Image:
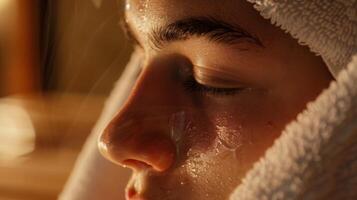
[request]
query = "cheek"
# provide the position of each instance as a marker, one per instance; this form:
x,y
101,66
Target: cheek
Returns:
x,y
229,130
222,138
199,133
246,124
229,122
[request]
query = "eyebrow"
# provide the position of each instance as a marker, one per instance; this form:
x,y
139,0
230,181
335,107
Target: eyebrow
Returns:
x,y
211,28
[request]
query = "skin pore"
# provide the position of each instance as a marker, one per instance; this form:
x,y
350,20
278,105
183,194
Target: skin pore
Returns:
x,y
218,85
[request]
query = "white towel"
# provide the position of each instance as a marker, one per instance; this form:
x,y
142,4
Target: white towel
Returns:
x,y
94,177
316,155
328,27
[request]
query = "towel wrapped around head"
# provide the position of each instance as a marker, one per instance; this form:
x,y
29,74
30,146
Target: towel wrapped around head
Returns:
x,y
315,157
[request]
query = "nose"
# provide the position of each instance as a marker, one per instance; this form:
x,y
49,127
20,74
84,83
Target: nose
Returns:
x,y
138,136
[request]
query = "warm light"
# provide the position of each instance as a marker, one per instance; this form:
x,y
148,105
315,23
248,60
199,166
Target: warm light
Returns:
x,y
17,134
6,10
4,3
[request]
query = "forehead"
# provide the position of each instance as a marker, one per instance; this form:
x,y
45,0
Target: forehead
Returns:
x,y
160,12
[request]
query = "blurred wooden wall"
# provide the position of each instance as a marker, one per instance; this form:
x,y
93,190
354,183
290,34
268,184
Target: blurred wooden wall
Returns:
x,y
70,52
91,50
71,46
21,71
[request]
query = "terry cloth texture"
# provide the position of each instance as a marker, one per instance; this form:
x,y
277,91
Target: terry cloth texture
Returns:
x,y
328,27
316,156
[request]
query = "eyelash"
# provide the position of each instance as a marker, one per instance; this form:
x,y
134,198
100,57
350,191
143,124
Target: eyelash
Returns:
x,y
192,85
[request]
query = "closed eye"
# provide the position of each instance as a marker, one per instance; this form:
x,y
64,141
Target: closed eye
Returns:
x,y
191,85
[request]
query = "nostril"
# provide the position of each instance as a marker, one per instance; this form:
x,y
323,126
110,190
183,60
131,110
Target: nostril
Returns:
x,y
136,164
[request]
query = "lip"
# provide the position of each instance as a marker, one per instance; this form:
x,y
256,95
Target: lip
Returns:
x,y
131,194
135,197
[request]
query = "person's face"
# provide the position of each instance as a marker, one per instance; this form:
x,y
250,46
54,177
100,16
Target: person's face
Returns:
x,y
218,84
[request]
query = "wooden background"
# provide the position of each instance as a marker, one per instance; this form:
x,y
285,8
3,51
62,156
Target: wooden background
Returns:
x,y
58,62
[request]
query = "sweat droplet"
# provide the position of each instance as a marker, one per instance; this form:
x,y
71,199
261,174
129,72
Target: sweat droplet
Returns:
x,y
229,138
229,135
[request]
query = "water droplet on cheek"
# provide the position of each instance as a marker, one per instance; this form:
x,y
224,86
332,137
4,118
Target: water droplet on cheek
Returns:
x,y
198,164
229,139
229,134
